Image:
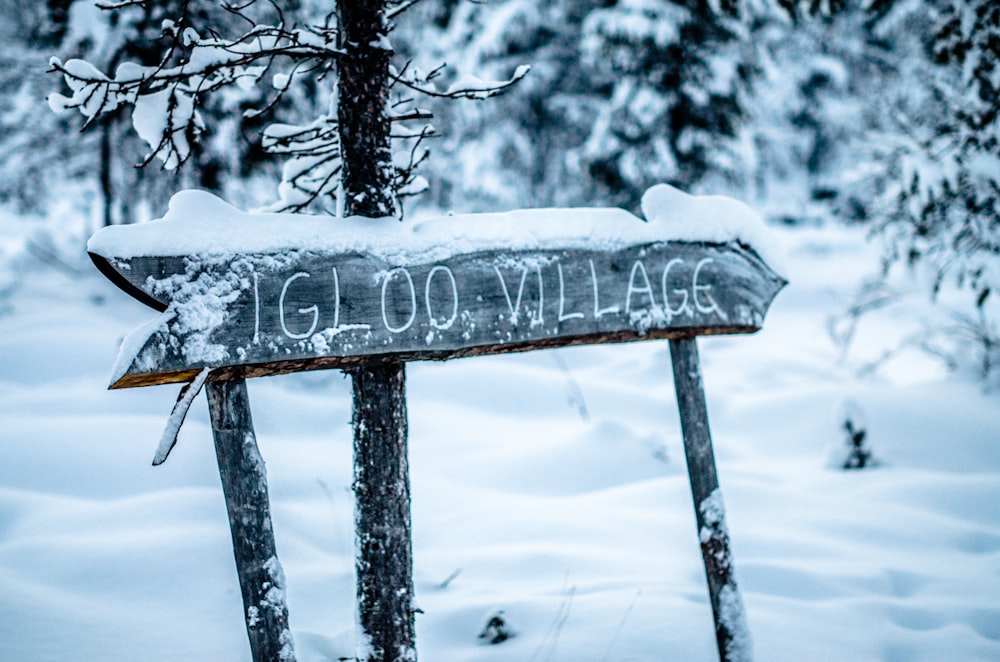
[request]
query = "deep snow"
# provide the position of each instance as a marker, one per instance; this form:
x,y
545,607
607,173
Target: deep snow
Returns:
x,y
553,489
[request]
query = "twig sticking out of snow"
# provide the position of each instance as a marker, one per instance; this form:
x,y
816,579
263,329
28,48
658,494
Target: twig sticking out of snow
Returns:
x,y
184,400
574,392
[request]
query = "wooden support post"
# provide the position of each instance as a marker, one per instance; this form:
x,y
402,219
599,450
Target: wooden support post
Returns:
x,y
244,483
384,563
731,631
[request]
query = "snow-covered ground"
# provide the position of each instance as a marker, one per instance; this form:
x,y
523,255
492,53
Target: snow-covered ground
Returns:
x,y
548,485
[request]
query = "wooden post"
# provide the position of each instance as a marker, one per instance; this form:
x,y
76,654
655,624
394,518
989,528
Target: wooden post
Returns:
x,y
731,631
384,567
382,514
244,483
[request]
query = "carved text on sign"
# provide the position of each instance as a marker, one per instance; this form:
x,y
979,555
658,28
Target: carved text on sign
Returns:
x,y
245,311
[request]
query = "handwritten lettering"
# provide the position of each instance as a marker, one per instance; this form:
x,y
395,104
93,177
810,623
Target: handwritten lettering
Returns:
x,y
515,306
314,309
681,292
712,306
563,315
336,299
256,308
647,289
598,311
454,298
413,301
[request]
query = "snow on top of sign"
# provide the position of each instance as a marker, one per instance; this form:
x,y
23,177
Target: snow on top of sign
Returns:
x,y
198,223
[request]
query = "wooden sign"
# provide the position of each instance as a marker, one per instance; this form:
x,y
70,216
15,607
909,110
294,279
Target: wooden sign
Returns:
x,y
245,295
249,315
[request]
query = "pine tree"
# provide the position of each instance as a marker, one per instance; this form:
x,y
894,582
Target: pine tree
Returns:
x,y
622,95
514,151
934,167
678,83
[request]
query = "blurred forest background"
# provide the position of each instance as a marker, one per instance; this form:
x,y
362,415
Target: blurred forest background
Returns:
x,y
877,113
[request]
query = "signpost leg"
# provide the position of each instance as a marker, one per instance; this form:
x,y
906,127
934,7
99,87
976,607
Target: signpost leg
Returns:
x,y
244,483
384,564
731,631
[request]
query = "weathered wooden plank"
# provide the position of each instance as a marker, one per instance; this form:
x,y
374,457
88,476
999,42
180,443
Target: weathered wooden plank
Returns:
x,y
244,483
264,314
731,631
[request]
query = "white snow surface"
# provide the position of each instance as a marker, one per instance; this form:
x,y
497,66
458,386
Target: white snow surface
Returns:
x,y
579,527
199,223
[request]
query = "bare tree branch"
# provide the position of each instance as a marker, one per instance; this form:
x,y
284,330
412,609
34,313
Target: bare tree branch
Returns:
x,y
466,88
399,9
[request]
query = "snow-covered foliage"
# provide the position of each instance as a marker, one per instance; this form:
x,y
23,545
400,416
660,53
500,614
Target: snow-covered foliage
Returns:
x,y
191,56
880,112
620,97
895,122
677,80
941,203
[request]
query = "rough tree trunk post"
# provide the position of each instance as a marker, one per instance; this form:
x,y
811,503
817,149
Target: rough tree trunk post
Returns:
x,y
384,563
731,630
382,497
244,483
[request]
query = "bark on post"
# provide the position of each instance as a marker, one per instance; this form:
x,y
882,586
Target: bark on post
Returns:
x,y
362,109
382,509
731,631
244,483
381,480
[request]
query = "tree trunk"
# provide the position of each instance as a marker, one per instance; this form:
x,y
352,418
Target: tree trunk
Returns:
x,y
382,514
362,113
104,173
244,483
381,474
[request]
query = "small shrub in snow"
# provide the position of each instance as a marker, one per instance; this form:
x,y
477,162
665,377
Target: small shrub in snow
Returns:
x,y
858,454
497,630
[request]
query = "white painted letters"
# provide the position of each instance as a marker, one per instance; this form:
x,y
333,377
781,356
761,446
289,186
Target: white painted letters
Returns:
x,y
684,287
712,306
681,292
638,267
563,316
454,298
598,311
515,306
256,308
302,311
413,301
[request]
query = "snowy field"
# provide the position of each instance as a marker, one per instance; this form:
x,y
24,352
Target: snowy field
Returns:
x,y
548,485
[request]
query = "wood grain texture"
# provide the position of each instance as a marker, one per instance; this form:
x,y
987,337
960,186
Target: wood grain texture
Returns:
x,y
254,315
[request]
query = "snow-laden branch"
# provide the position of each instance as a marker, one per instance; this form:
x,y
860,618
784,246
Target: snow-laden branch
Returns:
x,y
466,87
197,62
184,401
166,96
393,12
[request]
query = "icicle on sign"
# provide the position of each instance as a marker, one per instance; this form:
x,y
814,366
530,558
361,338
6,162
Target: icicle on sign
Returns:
x,y
252,295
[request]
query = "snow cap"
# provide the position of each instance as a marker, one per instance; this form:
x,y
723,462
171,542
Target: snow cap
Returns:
x,y
711,218
198,223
